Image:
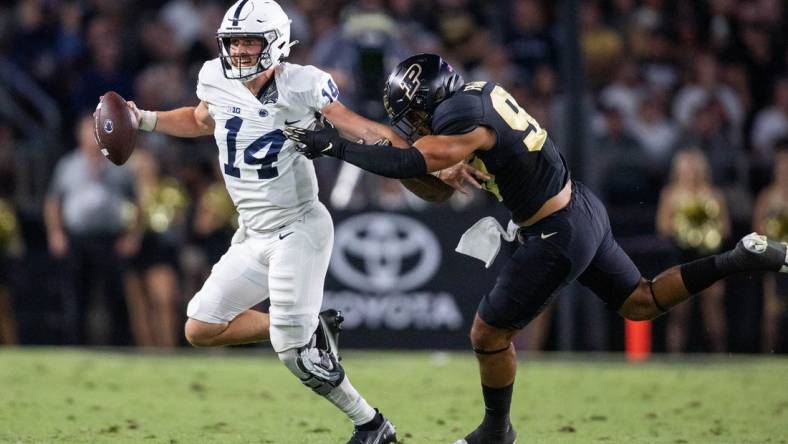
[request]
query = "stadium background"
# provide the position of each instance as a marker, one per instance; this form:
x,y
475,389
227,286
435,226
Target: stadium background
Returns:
x,y
622,86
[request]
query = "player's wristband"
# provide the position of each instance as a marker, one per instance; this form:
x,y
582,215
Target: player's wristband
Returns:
x,y
148,120
436,174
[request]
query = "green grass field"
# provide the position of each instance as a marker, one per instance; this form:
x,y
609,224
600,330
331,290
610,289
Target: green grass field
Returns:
x,y
247,396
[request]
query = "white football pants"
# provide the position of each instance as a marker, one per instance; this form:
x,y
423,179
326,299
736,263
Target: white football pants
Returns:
x,y
287,265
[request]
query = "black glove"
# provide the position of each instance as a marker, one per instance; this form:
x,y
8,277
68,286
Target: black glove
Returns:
x,y
315,143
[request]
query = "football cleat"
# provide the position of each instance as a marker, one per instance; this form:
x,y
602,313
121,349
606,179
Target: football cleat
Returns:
x,y
384,434
327,333
481,436
756,252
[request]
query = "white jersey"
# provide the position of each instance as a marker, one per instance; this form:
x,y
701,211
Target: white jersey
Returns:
x,y
269,182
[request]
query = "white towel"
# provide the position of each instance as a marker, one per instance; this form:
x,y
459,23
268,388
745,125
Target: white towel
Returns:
x,y
483,239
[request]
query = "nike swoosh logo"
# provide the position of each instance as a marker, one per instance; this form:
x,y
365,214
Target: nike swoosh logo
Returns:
x,y
330,145
545,236
282,236
290,123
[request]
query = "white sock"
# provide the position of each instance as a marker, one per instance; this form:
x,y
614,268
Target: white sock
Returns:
x,y
347,399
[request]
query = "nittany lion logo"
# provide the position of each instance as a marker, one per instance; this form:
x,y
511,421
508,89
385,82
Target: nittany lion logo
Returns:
x,y
411,80
108,127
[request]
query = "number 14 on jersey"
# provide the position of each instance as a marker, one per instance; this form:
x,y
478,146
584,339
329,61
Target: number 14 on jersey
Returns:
x,y
273,140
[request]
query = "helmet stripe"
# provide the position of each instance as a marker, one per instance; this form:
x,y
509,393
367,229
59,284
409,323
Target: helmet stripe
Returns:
x,y
238,12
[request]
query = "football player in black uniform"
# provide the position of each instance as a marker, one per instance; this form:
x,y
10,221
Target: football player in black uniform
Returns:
x,y
564,229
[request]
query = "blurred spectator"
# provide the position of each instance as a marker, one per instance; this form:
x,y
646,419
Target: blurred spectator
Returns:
x,y
602,46
69,44
213,222
410,16
544,86
88,211
707,132
650,15
106,70
721,23
161,86
771,218
152,281
11,244
359,53
496,66
657,55
655,132
771,124
10,249
705,87
692,213
183,18
626,90
204,46
31,49
529,36
760,53
620,161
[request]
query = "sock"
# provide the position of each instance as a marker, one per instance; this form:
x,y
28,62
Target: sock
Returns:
x,y
372,424
496,406
700,274
347,399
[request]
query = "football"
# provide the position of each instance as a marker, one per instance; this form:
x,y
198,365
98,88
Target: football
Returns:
x,y
114,128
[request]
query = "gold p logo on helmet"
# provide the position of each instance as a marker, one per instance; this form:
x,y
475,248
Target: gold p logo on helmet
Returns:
x,y
411,80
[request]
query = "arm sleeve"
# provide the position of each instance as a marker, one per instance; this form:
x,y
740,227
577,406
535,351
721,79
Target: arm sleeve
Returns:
x,y
459,114
383,160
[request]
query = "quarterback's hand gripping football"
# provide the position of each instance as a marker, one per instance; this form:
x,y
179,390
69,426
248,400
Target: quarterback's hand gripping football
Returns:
x,y
315,143
145,120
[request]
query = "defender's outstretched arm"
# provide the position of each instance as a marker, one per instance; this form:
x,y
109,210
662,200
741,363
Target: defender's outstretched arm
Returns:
x,y
430,153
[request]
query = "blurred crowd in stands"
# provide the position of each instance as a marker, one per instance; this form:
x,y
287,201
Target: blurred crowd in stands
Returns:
x,y
685,139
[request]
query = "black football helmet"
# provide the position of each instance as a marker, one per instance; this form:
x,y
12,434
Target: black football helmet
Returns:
x,y
413,91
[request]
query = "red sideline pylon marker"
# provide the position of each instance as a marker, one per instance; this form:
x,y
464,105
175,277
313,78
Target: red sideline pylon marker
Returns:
x,y
638,340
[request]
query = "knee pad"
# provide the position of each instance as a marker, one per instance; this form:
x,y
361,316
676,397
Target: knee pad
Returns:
x,y
316,368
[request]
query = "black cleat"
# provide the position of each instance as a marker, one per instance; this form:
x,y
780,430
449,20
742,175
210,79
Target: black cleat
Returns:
x,y
755,252
481,436
384,434
327,333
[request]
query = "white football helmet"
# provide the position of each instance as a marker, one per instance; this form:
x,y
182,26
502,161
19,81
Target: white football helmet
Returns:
x,y
262,19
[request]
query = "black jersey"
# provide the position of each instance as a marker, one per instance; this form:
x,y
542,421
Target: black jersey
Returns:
x,y
526,166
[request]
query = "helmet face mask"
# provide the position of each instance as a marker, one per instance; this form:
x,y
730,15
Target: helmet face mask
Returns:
x,y
413,125
259,19
415,89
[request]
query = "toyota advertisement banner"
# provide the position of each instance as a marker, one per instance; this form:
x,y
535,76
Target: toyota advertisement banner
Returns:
x,y
399,283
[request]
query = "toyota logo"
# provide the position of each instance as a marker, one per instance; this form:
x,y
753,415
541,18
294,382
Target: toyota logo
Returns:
x,y
381,252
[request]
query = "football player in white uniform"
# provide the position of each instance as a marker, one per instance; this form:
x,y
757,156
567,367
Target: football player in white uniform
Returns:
x,y
281,250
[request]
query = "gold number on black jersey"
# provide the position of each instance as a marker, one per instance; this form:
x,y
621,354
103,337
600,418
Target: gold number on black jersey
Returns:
x,y
518,119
